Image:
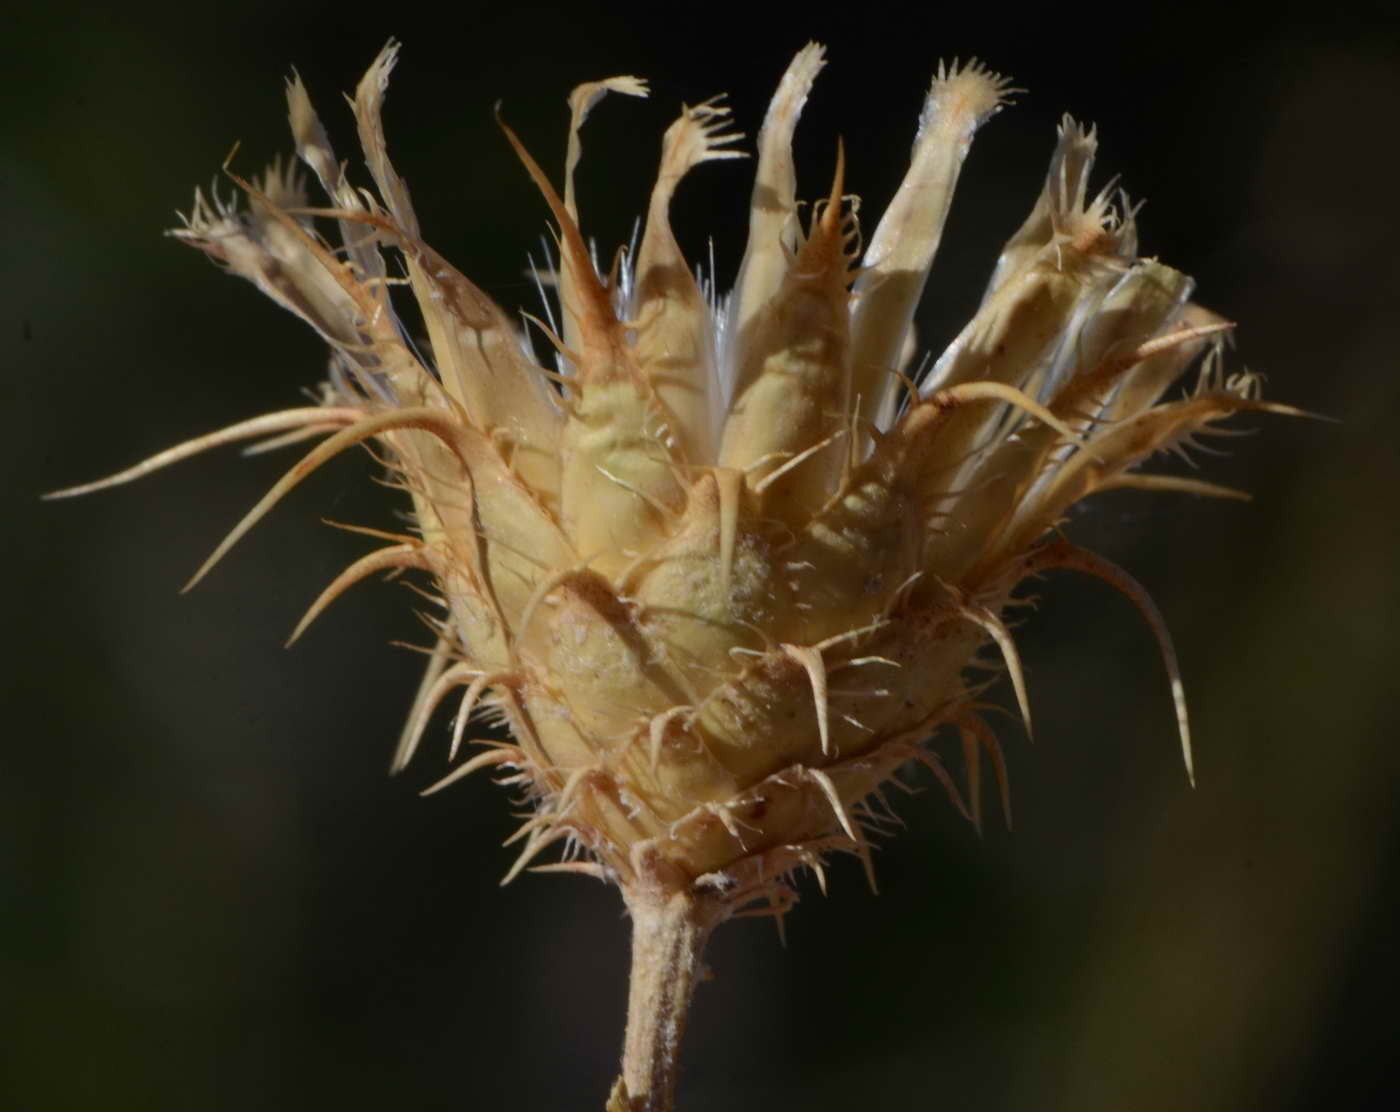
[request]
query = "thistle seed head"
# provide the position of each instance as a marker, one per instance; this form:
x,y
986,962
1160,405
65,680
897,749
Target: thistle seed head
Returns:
x,y
722,571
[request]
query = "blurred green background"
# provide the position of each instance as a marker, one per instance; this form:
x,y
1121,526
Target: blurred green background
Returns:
x,y
211,896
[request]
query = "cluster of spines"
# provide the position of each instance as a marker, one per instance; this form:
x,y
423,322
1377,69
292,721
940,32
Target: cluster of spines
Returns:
x,y
406,408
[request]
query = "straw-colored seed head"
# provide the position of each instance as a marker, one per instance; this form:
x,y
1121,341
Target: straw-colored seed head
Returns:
x,y
723,571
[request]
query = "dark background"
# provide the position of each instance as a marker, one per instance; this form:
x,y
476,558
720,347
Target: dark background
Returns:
x,y
211,897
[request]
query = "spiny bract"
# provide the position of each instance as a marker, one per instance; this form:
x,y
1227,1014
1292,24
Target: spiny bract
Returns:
x,y
724,571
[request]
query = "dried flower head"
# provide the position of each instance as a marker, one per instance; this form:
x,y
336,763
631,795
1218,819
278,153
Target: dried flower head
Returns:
x,y
723,571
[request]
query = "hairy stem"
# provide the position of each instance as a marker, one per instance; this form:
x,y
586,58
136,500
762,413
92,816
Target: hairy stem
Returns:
x,y
669,929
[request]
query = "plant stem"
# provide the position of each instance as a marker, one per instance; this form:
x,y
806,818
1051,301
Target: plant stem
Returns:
x,y
669,929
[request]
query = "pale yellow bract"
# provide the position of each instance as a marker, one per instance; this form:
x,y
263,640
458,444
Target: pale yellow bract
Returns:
x,y
724,570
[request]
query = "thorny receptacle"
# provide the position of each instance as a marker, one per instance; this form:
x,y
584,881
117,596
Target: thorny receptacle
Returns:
x,y
724,569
